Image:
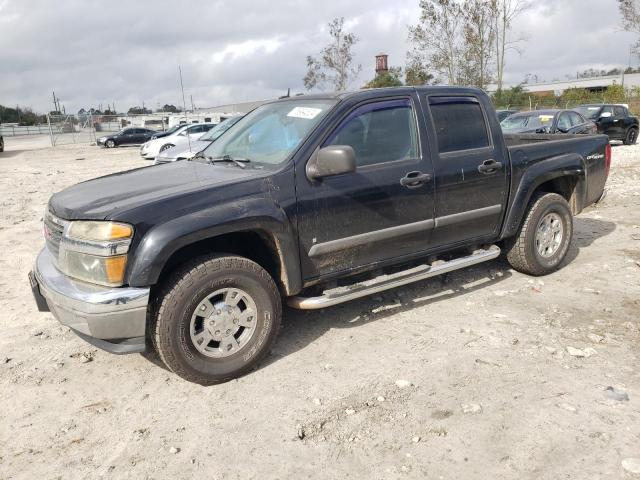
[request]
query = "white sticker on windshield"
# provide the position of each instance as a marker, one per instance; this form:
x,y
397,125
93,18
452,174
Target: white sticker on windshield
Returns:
x,y
304,112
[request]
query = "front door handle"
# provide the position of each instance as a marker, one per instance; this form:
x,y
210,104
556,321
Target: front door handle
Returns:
x,y
489,166
415,179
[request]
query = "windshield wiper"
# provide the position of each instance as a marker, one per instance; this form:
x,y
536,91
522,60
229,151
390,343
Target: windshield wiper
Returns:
x,y
241,162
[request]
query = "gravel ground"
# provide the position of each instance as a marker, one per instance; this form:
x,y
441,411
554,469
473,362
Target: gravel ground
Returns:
x,y
483,373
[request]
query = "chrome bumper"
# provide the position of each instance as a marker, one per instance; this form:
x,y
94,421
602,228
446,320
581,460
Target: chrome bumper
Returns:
x,y
111,318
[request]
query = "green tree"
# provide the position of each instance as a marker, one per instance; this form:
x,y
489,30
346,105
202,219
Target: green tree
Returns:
x,y
335,65
416,75
138,111
511,97
390,78
456,40
169,108
630,11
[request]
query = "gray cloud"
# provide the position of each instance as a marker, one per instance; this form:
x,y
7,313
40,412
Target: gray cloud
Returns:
x,y
93,52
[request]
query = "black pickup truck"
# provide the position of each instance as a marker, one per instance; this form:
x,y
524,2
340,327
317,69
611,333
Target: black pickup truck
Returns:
x,y
314,200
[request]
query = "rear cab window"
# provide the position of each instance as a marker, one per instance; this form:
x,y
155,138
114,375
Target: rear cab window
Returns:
x,y
459,123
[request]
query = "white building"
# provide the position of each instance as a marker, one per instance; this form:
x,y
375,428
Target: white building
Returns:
x,y
594,84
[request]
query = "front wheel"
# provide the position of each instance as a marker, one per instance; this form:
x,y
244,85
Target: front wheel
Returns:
x,y
631,137
217,319
166,147
110,144
544,236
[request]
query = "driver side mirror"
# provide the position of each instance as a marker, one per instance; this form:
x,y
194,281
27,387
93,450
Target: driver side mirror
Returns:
x,y
606,115
330,161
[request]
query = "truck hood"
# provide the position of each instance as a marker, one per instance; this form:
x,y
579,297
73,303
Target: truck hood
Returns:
x,y
103,197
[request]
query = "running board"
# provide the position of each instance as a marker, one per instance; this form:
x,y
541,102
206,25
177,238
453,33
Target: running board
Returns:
x,y
385,282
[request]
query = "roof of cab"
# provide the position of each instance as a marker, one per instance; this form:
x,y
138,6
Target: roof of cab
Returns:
x,y
374,92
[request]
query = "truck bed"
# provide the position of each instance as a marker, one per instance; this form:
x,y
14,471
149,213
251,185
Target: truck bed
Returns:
x,y
527,150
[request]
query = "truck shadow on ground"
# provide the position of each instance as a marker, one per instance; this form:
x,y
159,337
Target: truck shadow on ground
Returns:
x,y
11,153
300,328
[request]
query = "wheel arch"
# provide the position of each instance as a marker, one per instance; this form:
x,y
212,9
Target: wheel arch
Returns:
x,y
266,240
563,175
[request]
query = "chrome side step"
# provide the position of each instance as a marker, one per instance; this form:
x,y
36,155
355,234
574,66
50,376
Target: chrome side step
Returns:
x,y
385,282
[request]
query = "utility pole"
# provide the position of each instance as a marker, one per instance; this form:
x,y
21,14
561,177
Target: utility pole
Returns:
x,y
184,104
193,109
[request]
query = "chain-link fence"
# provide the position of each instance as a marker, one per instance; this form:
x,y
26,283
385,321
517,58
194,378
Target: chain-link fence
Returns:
x,y
85,128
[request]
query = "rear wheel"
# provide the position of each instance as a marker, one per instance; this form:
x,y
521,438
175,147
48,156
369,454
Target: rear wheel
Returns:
x,y
217,320
631,137
110,143
1,144
544,236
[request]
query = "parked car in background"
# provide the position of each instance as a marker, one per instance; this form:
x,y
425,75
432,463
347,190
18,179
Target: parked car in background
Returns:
x,y
188,133
168,132
395,185
126,136
615,121
502,114
548,121
185,151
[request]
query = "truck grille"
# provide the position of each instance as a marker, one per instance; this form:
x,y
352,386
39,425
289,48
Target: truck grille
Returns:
x,y
53,230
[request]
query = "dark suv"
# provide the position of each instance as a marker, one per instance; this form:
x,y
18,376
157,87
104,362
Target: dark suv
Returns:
x,y
612,120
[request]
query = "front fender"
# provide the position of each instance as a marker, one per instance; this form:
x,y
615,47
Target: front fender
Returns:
x,y
248,215
570,165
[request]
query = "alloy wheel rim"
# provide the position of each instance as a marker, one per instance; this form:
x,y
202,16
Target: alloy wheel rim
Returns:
x,y
549,235
223,323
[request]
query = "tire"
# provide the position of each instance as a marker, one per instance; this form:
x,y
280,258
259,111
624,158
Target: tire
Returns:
x,y
178,327
1,145
544,237
166,147
110,143
631,137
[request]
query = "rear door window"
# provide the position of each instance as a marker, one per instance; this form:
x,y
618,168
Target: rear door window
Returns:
x,y
619,111
460,123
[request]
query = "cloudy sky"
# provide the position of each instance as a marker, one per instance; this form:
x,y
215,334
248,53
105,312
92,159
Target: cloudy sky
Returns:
x,y
93,52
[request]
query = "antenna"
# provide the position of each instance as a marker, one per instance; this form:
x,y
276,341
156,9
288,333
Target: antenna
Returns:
x,y
184,106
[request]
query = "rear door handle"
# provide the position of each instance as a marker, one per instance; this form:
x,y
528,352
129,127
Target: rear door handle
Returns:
x,y
489,166
415,179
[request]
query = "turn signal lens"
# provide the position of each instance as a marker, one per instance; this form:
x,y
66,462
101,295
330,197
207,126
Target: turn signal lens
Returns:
x,y
114,268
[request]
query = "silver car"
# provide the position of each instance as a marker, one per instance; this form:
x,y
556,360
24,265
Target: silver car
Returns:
x,y
186,151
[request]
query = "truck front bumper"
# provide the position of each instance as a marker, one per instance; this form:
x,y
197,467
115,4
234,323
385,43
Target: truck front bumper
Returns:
x,y
113,319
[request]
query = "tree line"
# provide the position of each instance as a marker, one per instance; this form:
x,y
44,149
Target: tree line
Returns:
x,y
457,42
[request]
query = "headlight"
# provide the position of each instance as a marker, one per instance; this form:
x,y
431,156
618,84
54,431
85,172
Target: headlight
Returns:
x,y
95,251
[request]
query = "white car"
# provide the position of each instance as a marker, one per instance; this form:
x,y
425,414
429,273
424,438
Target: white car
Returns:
x,y
190,132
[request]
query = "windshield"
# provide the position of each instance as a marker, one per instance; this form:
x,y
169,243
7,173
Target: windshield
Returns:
x,y
530,121
589,112
271,132
219,129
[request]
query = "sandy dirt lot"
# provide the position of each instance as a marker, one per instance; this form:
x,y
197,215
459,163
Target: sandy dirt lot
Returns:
x,y
473,375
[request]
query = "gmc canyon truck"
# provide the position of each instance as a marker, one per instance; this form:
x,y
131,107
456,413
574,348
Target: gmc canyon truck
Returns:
x,y
313,200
